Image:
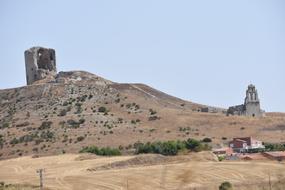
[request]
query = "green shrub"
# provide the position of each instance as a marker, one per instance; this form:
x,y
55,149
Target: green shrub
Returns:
x,y
170,148
62,113
78,110
153,118
14,141
207,140
226,186
101,151
274,147
81,121
47,135
81,138
45,125
102,109
75,124
221,158
5,125
192,144
165,148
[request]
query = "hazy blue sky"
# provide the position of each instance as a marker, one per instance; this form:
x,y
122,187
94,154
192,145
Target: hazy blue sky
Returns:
x,y
206,51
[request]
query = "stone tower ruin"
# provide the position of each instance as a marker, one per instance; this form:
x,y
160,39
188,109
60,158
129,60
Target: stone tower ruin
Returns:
x,y
252,103
40,64
251,106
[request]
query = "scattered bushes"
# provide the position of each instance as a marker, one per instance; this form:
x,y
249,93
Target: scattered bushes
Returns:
x,y
170,148
47,135
184,129
274,147
5,125
101,151
14,141
164,148
45,125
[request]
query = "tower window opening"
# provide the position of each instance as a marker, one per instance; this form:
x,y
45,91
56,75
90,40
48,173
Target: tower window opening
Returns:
x,y
51,57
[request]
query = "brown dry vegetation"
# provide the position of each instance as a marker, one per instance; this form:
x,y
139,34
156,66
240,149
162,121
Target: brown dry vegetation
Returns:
x,y
54,118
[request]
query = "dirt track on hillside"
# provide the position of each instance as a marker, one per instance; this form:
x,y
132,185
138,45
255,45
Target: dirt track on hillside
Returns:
x,y
65,172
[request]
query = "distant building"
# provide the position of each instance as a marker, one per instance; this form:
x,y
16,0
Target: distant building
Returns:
x,y
251,106
245,144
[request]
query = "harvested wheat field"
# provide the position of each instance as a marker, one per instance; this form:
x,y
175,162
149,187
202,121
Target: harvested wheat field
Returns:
x,y
144,172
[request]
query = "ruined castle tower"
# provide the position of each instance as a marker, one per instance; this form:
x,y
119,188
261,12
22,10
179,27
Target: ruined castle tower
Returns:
x,y
252,103
40,64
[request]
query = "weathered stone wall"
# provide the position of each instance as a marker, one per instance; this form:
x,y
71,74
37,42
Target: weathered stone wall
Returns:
x,y
236,110
253,109
40,63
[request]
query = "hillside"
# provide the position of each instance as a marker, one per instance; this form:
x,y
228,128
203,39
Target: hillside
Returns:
x,y
80,109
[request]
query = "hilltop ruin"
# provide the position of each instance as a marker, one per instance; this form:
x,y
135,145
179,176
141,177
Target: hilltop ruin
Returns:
x,y
251,106
40,64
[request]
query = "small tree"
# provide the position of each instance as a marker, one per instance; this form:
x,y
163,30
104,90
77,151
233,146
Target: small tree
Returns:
x,y
226,186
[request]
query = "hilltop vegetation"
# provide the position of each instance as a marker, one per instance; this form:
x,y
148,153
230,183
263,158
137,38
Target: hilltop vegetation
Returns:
x,y
81,109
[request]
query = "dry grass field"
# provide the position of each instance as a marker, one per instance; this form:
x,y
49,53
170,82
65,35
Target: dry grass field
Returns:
x,y
51,118
197,171
81,109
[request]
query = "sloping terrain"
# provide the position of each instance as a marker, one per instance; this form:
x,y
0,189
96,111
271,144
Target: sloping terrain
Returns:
x,y
65,172
81,109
